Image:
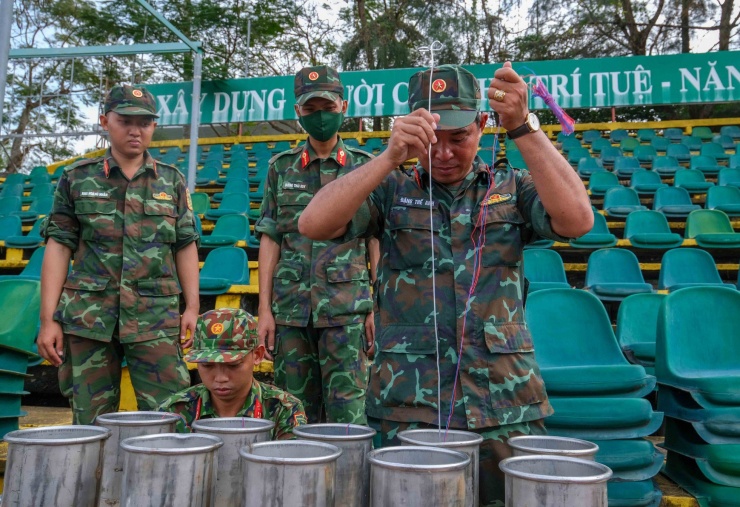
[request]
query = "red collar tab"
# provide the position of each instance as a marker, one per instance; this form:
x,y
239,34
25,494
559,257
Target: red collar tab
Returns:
x,y
417,177
341,156
257,409
106,167
305,159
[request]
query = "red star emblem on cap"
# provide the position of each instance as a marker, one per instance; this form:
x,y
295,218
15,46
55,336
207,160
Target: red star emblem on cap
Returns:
x,y
439,85
137,93
313,76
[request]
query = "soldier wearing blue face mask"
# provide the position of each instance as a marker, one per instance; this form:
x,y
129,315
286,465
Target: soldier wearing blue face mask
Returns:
x,y
315,309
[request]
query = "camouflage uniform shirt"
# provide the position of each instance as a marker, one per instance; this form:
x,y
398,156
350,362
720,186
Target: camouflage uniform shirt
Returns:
x,y
327,281
124,235
263,402
499,380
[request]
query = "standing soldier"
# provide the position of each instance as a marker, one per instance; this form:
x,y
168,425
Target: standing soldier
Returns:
x,y
128,221
315,309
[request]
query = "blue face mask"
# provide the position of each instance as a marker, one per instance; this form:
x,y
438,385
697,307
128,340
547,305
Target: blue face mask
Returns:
x,y
322,125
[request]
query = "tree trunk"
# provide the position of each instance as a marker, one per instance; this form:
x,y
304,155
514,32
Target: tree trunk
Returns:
x,y
685,32
725,27
365,35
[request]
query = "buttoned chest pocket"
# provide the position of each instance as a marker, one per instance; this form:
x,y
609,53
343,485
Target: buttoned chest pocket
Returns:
x,y
97,220
158,223
503,244
412,230
291,204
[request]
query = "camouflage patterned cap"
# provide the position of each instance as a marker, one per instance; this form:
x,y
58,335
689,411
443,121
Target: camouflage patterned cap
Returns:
x,y
322,81
455,95
223,336
130,101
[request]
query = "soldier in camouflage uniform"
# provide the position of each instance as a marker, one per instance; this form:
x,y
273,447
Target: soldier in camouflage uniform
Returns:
x,y
481,218
128,221
226,349
314,296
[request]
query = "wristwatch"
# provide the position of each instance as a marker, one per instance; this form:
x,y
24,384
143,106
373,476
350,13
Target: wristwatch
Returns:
x,y
531,124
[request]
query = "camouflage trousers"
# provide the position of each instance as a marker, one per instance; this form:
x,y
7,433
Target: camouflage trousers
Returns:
x,y
90,374
325,368
493,449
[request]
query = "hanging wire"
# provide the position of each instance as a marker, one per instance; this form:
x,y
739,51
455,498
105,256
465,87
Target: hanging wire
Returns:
x,y
434,47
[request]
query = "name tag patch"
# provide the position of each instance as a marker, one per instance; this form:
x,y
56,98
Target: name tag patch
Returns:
x,y
414,202
498,198
162,196
289,185
95,194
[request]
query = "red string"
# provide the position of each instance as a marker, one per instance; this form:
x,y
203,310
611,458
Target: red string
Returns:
x,y
540,90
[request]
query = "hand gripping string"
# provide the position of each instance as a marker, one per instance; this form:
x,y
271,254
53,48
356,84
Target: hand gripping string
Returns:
x,y
434,47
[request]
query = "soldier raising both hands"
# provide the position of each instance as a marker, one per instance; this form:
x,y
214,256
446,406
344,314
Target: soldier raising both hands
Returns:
x,y
499,391
128,221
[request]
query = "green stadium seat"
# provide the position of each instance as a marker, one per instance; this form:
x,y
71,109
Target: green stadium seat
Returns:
x,y
706,164
240,172
588,166
629,144
617,135
715,150
630,460
280,147
601,181
11,190
665,165
625,166
645,135
236,203
15,179
714,425
208,175
198,225
31,240
589,136
637,327
686,473
260,175
621,201
703,133
566,322
256,196
32,270
9,206
559,138
729,177
609,154
632,493
602,418
731,130
201,202
692,180
10,226
516,159
645,154
613,274
680,152
373,145
725,199
599,144
734,161
20,299
660,144
725,142
706,365
57,173
40,207
354,143
576,154
650,230
598,237
688,267
570,143
229,230
224,267
646,182
234,185
544,269
674,202
40,178
693,143
711,229
40,190
674,134
540,243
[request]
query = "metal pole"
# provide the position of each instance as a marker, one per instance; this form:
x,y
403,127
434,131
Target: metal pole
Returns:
x,y
249,36
6,21
194,122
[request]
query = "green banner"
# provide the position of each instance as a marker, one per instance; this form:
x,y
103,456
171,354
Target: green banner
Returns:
x,y
598,82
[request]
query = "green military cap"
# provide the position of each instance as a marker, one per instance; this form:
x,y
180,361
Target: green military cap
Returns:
x,y
130,101
321,81
224,335
455,95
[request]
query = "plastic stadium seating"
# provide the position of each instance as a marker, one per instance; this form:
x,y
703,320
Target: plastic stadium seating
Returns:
x,y
645,135
715,150
688,267
576,154
599,144
637,328
680,152
566,322
725,199
237,185
32,270
30,240
601,181
713,425
706,365
665,165
674,202
734,161
692,180
208,175
711,229
703,133
645,154
10,226
15,179
229,230
629,144
621,201
374,145
22,300
685,471
588,166
725,141
9,206
516,159
280,147
674,134
633,462
646,182
625,166
693,143
237,203
589,136
613,274
570,143
731,130
201,202
40,207
544,269
598,237
706,164
650,229
41,190
11,190
729,176
240,172
609,154
660,144
39,178
617,135
224,267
